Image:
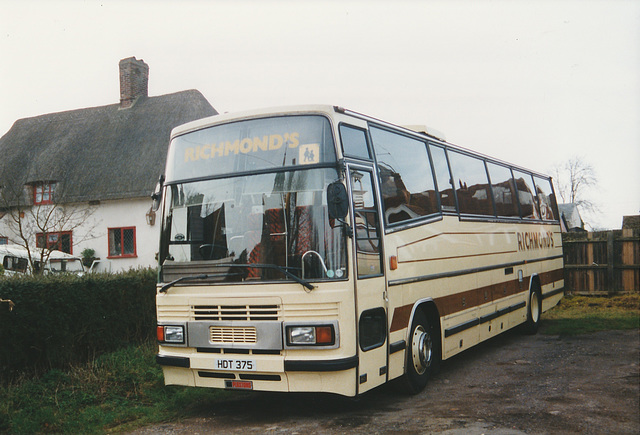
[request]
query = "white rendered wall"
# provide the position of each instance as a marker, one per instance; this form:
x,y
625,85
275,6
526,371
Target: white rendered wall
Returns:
x,y
120,214
94,233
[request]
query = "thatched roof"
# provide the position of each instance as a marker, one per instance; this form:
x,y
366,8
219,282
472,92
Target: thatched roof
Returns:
x,y
97,153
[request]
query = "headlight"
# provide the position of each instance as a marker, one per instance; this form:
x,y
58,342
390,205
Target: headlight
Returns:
x,y
322,335
170,334
302,335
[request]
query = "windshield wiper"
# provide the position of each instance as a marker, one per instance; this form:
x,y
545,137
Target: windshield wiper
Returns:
x,y
299,280
168,285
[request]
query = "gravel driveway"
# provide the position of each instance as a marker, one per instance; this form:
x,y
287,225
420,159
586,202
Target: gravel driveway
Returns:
x,y
513,384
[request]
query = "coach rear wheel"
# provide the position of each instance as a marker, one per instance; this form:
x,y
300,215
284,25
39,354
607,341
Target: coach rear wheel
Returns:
x,y
422,354
534,312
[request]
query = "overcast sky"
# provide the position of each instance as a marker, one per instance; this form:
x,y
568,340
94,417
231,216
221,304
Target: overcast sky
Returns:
x,y
530,82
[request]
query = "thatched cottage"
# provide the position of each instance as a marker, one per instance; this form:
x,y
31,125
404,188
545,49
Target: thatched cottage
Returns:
x,y
98,164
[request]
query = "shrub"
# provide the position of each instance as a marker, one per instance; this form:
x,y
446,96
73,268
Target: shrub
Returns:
x,y
88,255
60,320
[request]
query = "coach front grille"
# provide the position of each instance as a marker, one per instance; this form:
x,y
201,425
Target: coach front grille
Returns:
x,y
236,312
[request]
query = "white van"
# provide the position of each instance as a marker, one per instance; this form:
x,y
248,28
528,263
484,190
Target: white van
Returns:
x,y
62,262
15,260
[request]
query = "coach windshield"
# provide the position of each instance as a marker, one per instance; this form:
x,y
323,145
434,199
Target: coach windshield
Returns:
x,y
247,201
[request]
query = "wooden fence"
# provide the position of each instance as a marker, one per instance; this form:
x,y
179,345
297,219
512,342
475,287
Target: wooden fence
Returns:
x,y
604,262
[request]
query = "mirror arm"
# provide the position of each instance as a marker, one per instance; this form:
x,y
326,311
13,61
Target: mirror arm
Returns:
x,y
342,169
347,228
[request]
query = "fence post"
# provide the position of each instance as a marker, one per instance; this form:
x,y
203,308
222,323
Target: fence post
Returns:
x,y
611,280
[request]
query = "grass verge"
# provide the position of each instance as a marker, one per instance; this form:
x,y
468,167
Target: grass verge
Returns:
x,y
116,392
576,315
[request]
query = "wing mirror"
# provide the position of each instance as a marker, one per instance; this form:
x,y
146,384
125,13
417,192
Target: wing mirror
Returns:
x,y
156,196
337,201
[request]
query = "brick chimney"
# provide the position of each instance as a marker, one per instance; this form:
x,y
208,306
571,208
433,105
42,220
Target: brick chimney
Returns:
x,y
134,81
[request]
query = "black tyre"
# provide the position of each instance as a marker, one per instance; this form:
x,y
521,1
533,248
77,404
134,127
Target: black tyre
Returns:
x,y
422,355
534,311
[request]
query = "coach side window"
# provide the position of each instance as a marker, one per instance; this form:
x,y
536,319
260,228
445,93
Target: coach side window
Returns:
x,y
443,177
354,142
406,182
526,196
471,184
546,199
504,191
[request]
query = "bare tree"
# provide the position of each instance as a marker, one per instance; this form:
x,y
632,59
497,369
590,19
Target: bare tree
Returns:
x,y
32,226
575,179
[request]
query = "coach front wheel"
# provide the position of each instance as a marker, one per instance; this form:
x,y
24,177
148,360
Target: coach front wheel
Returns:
x,y
422,354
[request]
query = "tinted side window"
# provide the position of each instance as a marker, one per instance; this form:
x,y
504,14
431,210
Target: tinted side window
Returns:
x,y
407,186
440,165
504,191
354,142
471,184
546,199
524,184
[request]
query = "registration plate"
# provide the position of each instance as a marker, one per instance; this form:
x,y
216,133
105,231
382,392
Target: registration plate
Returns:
x,y
236,365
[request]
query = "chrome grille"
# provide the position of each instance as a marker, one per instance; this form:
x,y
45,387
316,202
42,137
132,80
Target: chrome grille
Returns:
x,y
236,312
232,334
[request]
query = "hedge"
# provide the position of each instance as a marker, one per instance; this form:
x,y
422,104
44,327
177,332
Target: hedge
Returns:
x,y
60,320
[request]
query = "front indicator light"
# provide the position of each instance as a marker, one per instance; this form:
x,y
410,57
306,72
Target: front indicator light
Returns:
x,y
324,335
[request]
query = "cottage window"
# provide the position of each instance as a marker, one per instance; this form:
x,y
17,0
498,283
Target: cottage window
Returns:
x,y
122,242
61,241
43,193
4,240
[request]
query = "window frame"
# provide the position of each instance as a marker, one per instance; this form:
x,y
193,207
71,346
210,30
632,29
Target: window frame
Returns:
x,y
513,189
45,187
458,189
534,206
56,245
538,180
365,131
448,209
375,212
122,254
454,209
418,220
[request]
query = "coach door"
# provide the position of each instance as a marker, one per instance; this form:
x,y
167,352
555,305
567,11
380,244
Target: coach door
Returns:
x,y
370,281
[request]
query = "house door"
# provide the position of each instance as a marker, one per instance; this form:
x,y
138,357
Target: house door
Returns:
x,y
371,304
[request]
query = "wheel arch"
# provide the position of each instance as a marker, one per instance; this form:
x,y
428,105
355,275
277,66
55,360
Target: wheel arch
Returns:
x,y
430,310
534,283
